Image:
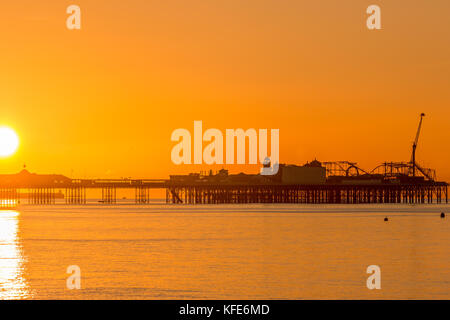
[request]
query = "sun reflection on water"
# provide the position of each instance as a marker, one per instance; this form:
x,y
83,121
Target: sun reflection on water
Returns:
x,y
12,281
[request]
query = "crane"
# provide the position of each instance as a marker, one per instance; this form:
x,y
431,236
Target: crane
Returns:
x,y
414,146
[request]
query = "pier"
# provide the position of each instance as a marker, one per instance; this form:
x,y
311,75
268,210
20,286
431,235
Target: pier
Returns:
x,y
308,194
309,184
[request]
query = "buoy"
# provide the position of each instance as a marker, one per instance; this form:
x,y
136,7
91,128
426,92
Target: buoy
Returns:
x,y
442,215
386,219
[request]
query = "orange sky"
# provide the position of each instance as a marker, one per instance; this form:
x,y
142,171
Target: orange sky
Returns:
x,y
103,101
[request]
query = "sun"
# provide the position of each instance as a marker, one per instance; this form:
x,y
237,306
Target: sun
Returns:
x,y
9,142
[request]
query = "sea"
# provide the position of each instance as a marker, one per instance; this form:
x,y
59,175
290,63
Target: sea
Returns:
x,y
258,251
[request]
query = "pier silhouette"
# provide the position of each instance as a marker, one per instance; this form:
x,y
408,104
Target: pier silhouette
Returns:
x,y
309,184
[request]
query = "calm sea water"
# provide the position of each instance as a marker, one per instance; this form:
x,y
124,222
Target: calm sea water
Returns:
x,y
225,252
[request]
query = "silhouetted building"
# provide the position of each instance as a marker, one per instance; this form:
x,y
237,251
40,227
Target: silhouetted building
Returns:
x,y
24,177
309,174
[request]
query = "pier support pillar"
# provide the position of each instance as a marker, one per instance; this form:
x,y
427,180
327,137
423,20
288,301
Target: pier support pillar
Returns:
x,y
142,195
109,195
75,195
